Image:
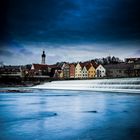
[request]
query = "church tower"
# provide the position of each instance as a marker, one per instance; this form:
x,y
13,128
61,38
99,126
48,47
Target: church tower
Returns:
x,y
43,57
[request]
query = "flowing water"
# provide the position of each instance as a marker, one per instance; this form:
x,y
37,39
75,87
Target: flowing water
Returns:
x,y
131,85
69,115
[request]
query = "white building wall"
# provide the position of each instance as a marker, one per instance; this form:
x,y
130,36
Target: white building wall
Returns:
x,y
84,72
100,71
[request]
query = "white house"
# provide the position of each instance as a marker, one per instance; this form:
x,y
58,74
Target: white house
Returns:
x,y
84,72
100,71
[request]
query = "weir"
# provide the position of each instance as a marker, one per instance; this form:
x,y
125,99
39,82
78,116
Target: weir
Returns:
x,y
128,85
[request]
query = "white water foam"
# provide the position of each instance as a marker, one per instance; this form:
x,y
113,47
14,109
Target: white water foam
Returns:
x,y
129,85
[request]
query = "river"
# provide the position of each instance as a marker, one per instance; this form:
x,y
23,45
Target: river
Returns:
x,y
69,115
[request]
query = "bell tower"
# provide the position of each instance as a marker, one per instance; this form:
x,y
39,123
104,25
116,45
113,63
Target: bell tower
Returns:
x,y
43,58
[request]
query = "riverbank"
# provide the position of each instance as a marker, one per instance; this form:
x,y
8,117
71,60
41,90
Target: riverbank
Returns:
x,y
15,90
30,82
24,84
15,81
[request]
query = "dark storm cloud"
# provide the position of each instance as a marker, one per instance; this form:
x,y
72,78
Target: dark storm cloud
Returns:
x,y
84,28
71,21
3,20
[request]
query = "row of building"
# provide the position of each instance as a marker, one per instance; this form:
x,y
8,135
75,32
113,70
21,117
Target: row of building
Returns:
x,y
79,70
89,69
69,70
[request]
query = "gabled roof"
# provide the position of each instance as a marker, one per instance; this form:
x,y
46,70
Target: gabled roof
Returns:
x,y
60,65
52,66
95,65
72,64
88,66
82,65
40,66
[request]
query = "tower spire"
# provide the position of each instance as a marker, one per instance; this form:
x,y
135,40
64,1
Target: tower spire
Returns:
x,y
43,57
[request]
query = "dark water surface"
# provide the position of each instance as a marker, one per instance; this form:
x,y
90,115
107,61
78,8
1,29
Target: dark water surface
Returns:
x,y
69,115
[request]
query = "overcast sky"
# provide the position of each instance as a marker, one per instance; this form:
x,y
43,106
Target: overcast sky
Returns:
x,y
68,30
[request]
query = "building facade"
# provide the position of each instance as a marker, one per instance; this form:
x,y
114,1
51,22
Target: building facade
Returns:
x,y
78,71
72,70
66,71
84,72
39,69
100,71
137,69
91,71
120,70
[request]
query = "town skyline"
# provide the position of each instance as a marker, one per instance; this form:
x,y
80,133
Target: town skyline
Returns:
x,y
27,56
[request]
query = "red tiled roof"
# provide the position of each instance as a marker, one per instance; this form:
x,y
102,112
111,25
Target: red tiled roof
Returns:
x,y
71,64
82,65
95,65
40,66
88,66
52,66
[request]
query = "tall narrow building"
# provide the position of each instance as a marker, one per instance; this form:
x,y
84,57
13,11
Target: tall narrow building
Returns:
x,y
43,57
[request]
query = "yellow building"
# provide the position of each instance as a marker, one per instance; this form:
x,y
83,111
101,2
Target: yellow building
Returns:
x,y
91,71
